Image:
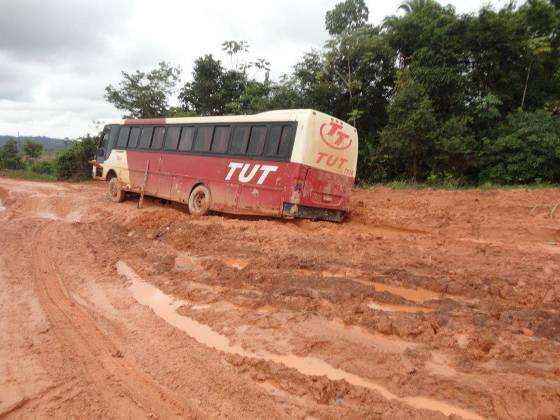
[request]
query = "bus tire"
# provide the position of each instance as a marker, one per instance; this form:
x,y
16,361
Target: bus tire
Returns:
x,y
199,201
116,192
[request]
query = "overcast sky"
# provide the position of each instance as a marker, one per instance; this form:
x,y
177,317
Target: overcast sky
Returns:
x,y
57,56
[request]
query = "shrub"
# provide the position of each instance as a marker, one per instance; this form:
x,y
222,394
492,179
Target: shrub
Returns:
x,y
44,167
9,157
526,149
73,163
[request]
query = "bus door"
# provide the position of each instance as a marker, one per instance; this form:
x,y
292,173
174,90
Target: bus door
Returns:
x,y
144,163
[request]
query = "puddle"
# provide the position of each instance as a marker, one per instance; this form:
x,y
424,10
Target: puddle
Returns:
x,y
236,263
415,295
2,208
47,215
389,307
166,306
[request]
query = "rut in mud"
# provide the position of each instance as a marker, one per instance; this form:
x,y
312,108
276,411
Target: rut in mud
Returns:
x,y
423,304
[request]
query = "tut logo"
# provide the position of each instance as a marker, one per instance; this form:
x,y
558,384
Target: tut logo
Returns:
x,y
333,135
246,173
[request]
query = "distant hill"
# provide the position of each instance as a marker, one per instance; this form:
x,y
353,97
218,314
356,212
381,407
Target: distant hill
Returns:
x,y
49,144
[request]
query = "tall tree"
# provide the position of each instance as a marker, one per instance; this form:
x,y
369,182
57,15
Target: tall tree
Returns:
x,y
346,16
408,138
32,149
145,95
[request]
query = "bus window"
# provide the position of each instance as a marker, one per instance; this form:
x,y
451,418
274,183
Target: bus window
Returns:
x,y
239,139
286,141
203,138
113,137
221,139
146,137
157,141
273,140
256,141
134,136
172,137
123,137
187,137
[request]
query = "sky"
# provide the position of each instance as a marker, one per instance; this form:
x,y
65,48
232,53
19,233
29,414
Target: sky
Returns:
x,y
57,56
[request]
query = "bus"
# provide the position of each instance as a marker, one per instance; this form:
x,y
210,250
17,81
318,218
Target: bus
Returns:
x,y
286,163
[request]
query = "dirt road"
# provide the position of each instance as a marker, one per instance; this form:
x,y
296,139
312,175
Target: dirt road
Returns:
x,y
424,304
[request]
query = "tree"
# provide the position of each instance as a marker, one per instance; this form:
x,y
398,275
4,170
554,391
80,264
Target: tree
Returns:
x,y
406,141
526,149
145,95
32,149
9,157
73,163
346,16
204,94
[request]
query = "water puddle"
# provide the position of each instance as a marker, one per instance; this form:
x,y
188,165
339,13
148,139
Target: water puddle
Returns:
x,y
389,307
415,295
2,208
47,215
235,263
166,306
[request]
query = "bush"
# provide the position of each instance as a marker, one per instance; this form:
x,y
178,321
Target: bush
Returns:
x,y
9,157
73,163
43,167
526,149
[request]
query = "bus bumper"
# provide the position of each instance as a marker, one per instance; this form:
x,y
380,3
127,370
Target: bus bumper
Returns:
x,y
315,213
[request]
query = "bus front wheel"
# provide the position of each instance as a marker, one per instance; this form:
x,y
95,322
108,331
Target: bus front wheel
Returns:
x,y
116,193
199,201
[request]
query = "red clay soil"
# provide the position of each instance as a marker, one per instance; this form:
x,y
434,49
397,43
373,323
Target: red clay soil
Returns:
x,y
424,304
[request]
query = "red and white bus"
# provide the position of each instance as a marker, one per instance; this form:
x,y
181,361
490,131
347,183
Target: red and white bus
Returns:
x,y
288,163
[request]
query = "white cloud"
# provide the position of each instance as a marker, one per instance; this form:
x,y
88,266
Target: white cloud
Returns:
x,y
56,57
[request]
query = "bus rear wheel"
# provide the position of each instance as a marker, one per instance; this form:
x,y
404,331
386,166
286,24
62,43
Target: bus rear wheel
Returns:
x,y
116,192
199,201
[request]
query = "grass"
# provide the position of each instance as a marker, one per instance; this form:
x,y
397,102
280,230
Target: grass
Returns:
x,y
26,174
450,186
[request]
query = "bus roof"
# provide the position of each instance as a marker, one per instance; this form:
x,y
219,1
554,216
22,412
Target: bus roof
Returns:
x,y
277,115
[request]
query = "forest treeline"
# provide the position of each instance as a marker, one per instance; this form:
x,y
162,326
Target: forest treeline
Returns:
x,y
437,96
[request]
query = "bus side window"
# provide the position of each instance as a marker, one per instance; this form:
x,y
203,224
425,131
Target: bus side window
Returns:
x,y
187,137
172,137
221,139
239,139
273,140
286,141
112,138
203,138
157,141
146,137
134,136
123,137
257,139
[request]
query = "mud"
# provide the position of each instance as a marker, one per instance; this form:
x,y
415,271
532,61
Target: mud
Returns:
x,y
424,304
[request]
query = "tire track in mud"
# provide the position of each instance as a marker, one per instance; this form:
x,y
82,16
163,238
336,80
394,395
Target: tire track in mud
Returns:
x,y
166,307
91,353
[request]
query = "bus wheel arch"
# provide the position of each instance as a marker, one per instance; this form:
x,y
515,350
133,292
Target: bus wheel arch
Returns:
x,y
200,200
110,175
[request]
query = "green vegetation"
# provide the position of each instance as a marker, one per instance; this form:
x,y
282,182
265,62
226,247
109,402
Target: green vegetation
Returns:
x,y
438,98
30,163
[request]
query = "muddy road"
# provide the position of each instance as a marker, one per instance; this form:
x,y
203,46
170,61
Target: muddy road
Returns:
x,y
424,304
